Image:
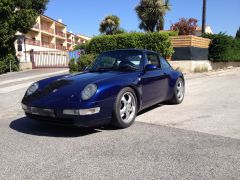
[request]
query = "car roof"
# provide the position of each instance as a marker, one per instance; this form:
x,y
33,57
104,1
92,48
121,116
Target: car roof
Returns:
x,y
133,49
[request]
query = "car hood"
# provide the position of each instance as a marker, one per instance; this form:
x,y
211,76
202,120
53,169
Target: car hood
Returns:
x,y
69,85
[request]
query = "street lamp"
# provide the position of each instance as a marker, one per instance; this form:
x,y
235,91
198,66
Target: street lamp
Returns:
x,y
204,17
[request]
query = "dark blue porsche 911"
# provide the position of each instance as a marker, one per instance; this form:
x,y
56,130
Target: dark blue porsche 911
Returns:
x,y
112,90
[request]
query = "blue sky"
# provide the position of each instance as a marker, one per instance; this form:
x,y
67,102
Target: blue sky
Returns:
x,y
84,16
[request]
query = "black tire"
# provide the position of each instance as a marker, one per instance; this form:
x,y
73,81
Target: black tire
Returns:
x,y
118,118
176,99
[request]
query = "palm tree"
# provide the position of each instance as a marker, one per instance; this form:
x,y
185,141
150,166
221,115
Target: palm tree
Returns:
x,y
204,16
152,13
109,25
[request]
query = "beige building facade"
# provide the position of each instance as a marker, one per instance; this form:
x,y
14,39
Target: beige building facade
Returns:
x,y
48,35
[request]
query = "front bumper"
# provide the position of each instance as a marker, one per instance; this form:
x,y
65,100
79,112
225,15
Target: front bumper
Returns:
x,y
99,114
70,121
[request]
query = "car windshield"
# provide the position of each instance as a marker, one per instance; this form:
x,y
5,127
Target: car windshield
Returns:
x,y
122,60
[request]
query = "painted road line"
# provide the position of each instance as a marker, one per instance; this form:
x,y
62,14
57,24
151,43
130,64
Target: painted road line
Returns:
x,y
33,77
14,88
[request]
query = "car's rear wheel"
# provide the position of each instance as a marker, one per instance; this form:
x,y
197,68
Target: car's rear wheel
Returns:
x,y
125,108
178,92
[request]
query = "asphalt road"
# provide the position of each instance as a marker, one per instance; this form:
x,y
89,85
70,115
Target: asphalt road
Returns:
x,y
198,139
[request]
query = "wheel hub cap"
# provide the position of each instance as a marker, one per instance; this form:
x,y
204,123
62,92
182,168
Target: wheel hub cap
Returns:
x,y
127,107
180,90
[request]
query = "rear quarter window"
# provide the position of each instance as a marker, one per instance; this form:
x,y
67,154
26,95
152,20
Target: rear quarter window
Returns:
x,y
164,63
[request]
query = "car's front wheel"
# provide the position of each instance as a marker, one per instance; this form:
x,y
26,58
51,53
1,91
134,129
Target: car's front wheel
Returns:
x,y
125,108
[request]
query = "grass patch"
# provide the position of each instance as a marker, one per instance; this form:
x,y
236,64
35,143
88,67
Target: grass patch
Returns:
x,y
201,69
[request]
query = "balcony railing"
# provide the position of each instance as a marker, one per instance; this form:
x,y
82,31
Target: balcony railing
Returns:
x,y
69,40
32,42
47,29
36,26
60,47
48,45
59,33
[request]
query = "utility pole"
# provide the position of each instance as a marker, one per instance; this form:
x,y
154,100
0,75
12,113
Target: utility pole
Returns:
x,y
204,16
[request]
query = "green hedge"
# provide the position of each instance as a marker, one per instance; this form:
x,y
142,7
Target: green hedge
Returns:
x,y
82,62
223,47
156,41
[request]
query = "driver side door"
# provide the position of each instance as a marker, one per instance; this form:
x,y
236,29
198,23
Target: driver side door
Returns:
x,y
154,82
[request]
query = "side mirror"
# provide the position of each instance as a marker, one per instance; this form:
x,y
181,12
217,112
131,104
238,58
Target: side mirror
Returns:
x,y
150,67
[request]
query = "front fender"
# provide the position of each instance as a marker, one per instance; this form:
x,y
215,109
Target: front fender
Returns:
x,y
111,87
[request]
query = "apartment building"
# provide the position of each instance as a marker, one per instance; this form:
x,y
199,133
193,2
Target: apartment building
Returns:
x,y
75,39
51,35
46,44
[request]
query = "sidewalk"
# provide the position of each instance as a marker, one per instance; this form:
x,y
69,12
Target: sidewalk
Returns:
x,y
13,81
31,74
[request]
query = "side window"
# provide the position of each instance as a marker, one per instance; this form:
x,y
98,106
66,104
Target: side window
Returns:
x,y
164,63
153,59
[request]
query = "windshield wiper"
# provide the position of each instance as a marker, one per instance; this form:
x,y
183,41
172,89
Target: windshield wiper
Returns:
x,y
100,70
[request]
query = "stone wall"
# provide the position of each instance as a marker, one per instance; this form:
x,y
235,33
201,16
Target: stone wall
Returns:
x,y
187,66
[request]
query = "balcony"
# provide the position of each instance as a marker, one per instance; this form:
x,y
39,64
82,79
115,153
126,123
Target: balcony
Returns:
x,y
36,26
48,45
69,47
60,47
61,34
69,41
78,43
47,29
32,42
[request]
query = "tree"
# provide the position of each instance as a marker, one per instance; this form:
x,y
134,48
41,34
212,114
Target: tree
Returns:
x,y
238,34
110,25
16,16
185,26
152,13
120,31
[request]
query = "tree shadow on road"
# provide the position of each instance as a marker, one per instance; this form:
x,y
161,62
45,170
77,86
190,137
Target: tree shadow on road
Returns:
x,y
28,126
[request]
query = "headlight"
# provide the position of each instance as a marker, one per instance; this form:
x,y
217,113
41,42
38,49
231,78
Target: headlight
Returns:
x,y
32,88
89,91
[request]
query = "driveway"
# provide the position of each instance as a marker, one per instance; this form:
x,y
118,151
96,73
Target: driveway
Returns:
x,y
198,139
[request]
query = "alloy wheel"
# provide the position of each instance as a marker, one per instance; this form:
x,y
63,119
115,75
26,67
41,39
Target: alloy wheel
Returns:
x,y
180,90
127,107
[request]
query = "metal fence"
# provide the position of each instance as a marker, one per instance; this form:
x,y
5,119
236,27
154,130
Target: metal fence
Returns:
x,y
49,59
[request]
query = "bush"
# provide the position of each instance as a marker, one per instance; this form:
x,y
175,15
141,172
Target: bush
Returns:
x,y
223,47
82,46
82,62
72,66
5,63
156,41
2,67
